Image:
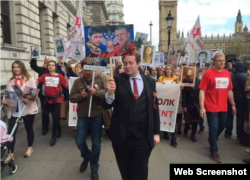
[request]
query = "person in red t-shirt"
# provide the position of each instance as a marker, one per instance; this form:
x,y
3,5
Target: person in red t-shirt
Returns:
x,y
215,89
52,83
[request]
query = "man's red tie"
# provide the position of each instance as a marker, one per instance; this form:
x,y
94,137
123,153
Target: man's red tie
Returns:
x,y
135,89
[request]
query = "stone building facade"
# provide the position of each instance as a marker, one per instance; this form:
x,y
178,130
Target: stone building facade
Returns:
x,y
115,12
25,23
237,43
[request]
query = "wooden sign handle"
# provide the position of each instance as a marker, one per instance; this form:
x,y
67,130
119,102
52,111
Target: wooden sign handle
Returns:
x,y
111,67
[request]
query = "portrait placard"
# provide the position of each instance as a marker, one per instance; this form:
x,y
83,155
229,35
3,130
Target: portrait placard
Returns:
x,y
109,41
203,58
59,45
147,55
188,75
77,50
35,51
140,39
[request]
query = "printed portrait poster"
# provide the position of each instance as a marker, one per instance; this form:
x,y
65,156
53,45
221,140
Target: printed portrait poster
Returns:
x,y
203,58
109,41
77,50
117,60
35,51
11,97
96,64
140,39
188,75
168,99
72,106
59,47
157,60
186,60
30,93
147,55
161,59
172,52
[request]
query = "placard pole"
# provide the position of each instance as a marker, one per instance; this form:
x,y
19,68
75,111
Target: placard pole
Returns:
x,y
90,102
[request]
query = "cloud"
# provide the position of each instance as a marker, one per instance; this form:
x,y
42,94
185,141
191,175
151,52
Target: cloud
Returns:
x,y
214,15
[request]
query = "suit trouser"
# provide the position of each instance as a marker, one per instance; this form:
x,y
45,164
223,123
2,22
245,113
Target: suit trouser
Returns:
x,y
132,158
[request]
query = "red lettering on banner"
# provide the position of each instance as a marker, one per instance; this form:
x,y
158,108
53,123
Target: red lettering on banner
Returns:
x,y
200,43
164,123
169,124
165,113
167,102
171,112
160,101
75,107
171,103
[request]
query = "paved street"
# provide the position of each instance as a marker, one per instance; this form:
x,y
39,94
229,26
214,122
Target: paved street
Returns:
x,y
62,161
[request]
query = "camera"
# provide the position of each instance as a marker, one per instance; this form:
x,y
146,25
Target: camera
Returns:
x,y
86,90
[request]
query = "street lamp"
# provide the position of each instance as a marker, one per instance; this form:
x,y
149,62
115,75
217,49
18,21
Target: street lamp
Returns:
x,y
151,32
169,20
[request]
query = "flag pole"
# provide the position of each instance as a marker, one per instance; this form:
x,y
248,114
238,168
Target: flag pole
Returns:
x,y
90,101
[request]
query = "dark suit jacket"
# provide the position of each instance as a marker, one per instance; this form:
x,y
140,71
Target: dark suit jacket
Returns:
x,y
124,105
207,65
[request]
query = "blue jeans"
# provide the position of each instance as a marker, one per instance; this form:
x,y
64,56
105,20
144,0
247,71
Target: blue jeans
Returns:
x,y
217,123
95,125
242,110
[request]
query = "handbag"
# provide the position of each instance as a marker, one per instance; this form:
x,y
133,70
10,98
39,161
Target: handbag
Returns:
x,y
241,89
64,107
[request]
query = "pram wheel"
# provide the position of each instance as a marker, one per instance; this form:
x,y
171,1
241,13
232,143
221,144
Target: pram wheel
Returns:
x,y
13,169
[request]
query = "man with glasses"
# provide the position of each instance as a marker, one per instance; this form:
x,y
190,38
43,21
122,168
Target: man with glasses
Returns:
x,y
215,89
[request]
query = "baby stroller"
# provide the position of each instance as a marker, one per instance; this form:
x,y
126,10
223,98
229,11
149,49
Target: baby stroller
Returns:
x,y
5,141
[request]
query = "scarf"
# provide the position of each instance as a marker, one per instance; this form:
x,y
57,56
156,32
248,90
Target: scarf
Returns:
x,y
20,79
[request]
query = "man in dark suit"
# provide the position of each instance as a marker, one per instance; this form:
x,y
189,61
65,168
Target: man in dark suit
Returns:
x,y
135,122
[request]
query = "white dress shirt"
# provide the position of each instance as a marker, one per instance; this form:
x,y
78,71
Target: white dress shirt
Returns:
x,y
140,87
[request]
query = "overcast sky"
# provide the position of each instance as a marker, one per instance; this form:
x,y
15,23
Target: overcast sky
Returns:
x,y
216,16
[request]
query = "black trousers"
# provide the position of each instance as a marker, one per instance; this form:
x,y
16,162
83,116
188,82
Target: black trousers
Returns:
x,y
28,123
45,114
132,158
55,111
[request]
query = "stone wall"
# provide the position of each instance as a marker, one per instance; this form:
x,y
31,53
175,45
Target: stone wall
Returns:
x,y
37,23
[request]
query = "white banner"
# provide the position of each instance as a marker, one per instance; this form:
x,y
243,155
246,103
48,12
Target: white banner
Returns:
x,y
168,98
194,40
72,106
76,34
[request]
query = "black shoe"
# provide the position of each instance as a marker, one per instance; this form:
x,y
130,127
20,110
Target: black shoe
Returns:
x,y
94,175
247,161
165,136
201,130
227,136
173,142
84,165
53,141
44,132
185,130
59,133
193,138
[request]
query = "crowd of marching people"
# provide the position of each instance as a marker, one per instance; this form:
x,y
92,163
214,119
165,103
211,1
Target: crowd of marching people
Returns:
x,y
220,93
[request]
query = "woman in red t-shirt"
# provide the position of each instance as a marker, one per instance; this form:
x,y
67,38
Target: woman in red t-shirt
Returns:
x,y
52,83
